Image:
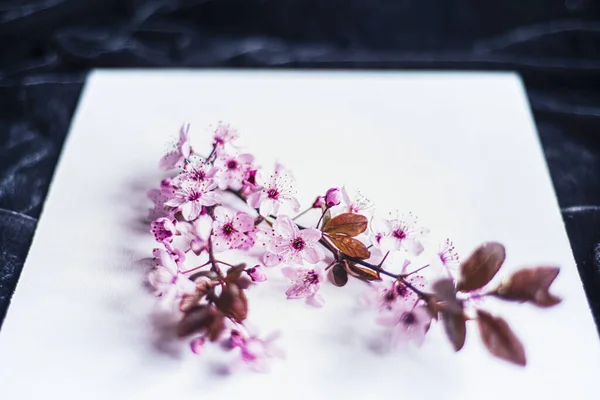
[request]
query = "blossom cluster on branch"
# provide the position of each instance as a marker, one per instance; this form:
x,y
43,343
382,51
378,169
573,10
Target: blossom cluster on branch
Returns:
x,y
411,285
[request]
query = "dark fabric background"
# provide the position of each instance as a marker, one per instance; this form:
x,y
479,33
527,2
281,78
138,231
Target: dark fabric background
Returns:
x,y
47,46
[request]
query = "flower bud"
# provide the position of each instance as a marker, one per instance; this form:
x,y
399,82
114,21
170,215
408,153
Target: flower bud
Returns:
x,y
319,202
257,274
333,197
197,345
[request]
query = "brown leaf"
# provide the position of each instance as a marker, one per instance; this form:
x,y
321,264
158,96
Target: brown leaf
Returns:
x,y
481,266
362,273
203,287
499,338
202,319
446,293
530,284
348,224
350,246
204,274
455,327
450,310
233,302
338,275
234,273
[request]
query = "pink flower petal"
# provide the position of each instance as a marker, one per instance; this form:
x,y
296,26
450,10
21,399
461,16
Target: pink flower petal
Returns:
x,y
310,235
316,300
285,227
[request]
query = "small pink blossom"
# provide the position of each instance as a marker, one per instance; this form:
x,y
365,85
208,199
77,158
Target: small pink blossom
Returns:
x,y
383,295
305,284
177,157
292,245
197,345
333,197
232,230
163,230
166,278
279,191
190,198
232,169
255,353
402,232
358,205
224,135
409,323
257,274
446,259
195,172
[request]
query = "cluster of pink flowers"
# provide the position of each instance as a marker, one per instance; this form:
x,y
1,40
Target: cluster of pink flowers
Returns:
x,y
194,223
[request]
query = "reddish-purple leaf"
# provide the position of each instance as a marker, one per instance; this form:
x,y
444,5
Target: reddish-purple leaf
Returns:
x,y
499,338
233,303
455,327
481,266
200,319
450,310
338,275
531,285
350,246
360,272
234,273
348,224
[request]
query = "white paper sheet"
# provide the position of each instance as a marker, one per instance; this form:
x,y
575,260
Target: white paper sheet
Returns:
x,y
458,149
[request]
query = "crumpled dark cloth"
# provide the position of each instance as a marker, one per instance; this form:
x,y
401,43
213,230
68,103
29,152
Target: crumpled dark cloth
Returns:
x,y
46,47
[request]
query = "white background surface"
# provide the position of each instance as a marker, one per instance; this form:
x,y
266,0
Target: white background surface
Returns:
x,y
459,150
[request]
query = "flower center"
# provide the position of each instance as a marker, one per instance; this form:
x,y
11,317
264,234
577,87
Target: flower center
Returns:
x,y
408,318
312,277
198,175
401,290
232,164
298,243
228,229
194,195
252,178
273,194
399,234
389,296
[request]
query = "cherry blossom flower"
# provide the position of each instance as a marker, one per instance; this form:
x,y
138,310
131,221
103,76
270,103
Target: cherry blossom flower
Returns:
x,y
232,169
163,230
333,197
195,172
305,284
232,230
446,259
290,245
224,135
358,205
402,232
383,295
255,353
279,191
257,274
177,157
166,278
409,323
191,196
